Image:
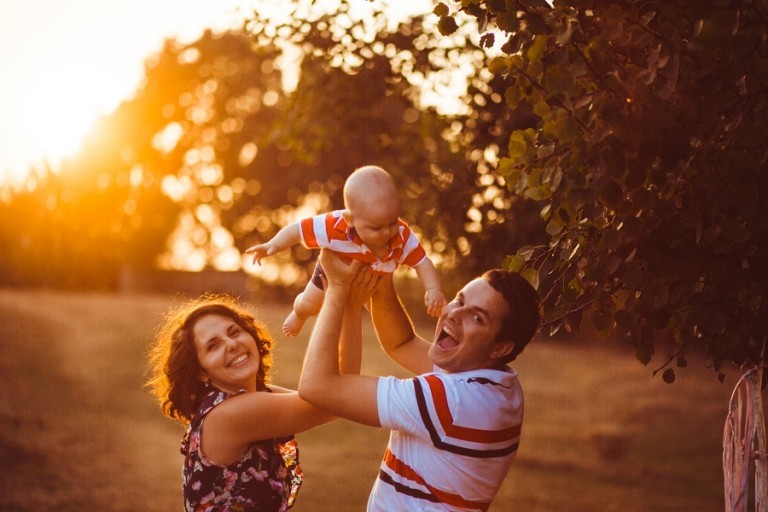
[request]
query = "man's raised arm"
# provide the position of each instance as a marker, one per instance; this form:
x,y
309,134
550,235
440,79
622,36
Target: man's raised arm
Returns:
x,y
394,329
322,384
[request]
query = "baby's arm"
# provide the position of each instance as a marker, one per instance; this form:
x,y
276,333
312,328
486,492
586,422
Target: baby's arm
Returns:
x,y
287,237
434,299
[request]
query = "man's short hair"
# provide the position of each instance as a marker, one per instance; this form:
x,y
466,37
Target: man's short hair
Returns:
x,y
522,322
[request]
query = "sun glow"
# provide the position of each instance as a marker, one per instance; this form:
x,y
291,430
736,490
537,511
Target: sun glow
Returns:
x,y
67,63
50,114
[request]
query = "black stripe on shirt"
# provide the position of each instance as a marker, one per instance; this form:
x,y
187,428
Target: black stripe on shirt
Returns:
x,y
483,380
404,489
421,400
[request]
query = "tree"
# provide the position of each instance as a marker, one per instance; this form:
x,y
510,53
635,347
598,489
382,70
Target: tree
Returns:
x,y
646,149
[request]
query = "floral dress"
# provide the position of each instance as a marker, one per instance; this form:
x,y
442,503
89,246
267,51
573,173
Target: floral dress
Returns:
x,y
265,479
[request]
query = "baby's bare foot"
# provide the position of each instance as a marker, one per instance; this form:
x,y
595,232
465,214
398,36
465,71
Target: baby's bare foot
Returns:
x,y
293,324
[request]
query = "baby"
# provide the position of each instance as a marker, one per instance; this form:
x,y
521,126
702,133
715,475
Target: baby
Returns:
x,y
369,229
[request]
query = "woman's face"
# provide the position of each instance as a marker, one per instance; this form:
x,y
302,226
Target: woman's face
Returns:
x,y
227,353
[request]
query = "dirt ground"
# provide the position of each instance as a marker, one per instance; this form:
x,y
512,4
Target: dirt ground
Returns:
x,y
78,431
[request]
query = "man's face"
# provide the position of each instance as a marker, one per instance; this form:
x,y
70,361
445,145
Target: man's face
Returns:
x,y
465,338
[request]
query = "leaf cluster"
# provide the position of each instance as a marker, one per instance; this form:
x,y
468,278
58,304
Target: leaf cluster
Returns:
x,y
645,146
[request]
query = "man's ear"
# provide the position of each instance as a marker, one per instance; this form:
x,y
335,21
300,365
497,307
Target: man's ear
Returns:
x,y
502,349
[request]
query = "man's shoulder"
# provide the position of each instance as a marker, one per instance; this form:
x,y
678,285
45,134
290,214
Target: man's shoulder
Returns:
x,y
480,376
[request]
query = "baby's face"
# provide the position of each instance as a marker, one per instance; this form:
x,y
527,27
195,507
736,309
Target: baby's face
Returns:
x,y
375,224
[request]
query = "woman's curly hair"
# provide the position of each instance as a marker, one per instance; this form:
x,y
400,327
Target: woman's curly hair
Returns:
x,y
174,368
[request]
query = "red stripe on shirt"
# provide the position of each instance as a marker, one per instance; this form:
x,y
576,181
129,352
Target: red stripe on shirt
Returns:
x,y
337,229
308,232
415,256
405,471
464,433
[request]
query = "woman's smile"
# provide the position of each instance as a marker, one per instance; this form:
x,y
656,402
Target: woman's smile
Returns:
x,y
228,354
239,360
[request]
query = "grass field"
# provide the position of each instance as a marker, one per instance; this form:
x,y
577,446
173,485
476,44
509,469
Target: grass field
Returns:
x,y
78,432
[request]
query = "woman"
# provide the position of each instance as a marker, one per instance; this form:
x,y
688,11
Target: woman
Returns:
x,y
210,370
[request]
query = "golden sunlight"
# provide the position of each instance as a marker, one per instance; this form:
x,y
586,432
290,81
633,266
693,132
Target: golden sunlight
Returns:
x,y
50,114
66,63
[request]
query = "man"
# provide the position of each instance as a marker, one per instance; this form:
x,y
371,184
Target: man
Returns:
x,y
456,425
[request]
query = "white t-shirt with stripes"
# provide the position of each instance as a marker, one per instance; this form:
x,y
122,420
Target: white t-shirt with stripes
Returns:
x,y
453,439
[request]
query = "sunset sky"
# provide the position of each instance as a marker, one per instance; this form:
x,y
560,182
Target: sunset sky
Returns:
x,y
65,62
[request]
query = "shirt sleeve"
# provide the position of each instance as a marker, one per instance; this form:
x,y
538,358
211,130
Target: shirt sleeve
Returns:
x,y
408,405
413,252
314,234
398,406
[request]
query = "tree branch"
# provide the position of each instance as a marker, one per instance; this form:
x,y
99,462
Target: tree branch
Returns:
x,y
671,358
574,310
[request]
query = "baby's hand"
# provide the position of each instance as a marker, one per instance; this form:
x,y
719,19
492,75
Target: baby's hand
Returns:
x,y
434,300
262,250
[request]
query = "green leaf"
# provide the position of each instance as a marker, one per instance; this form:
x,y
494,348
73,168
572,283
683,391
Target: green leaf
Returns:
x,y
668,376
536,50
623,319
535,23
573,290
514,263
496,6
611,194
513,96
644,352
534,177
518,145
601,319
441,10
514,43
508,22
538,193
555,225
532,276
535,4
499,66
542,109
567,129
487,40
447,25
558,79
510,172
526,252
